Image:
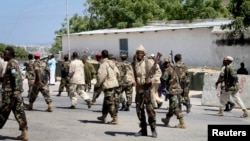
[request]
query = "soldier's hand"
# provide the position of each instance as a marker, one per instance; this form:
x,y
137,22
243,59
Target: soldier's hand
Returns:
x,y
40,84
148,80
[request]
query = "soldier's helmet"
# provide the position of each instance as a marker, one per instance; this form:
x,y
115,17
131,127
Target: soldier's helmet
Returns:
x,y
141,48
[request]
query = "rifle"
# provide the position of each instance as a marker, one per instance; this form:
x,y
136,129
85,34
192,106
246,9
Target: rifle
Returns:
x,y
172,58
150,74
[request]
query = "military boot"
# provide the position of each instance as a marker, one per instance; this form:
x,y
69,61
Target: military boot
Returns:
x,y
166,121
88,103
93,101
102,118
154,133
127,108
59,94
28,106
114,121
231,106
221,113
181,124
143,131
23,136
50,107
245,114
188,108
123,106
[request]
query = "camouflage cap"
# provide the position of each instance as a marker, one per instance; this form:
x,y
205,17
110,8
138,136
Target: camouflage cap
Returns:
x,y
166,60
124,55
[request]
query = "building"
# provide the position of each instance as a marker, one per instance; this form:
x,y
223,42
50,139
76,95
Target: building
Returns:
x,y
196,41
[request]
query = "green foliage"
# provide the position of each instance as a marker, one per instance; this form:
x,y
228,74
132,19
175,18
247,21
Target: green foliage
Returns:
x,y
104,14
19,51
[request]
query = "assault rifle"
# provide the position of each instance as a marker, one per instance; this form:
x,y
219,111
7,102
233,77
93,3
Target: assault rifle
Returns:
x,y
150,74
172,56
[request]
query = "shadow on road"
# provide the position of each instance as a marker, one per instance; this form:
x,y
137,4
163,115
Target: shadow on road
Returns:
x,y
91,121
114,133
7,138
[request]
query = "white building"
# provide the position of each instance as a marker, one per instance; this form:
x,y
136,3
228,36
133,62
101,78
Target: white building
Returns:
x,y
195,41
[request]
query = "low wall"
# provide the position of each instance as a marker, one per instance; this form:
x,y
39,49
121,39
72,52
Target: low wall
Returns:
x,y
210,95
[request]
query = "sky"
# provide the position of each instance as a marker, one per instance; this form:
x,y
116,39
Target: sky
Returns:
x,y
25,22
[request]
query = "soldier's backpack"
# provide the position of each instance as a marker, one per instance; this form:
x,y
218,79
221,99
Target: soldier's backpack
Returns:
x,y
182,73
44,69
127,73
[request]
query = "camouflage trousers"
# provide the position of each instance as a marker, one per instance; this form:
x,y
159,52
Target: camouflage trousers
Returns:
x,y
14,103
44,90
143,102
128,93
185,96
174,106
77,89
108,106
64,83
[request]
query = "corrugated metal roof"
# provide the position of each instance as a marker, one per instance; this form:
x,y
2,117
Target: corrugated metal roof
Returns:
x,y
201,24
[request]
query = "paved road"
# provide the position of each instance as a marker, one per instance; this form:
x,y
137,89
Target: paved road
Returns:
x,y
81,124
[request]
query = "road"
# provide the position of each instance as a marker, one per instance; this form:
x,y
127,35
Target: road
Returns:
x,y
79,124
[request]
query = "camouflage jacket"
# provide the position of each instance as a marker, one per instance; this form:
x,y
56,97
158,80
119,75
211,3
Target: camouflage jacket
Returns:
x,y
12,79
126,73
30,73
230,78
43,71
65,69
183,75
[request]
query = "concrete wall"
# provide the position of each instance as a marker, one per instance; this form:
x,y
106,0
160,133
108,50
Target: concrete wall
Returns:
x,y
197,45
210,95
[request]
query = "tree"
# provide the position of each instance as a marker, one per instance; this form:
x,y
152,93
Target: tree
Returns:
x,y
240,12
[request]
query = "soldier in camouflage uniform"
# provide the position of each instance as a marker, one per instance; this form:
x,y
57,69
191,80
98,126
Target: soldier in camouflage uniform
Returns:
x,y
64,76
107,81
30,73
127,82
89,72
143,99
230,79
170,79
41,84
11,97
184,80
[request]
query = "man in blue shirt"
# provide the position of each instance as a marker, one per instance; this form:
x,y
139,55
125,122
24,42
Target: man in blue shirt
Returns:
x,y
52,67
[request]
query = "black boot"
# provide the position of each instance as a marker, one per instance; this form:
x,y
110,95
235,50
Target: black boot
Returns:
x,y
59,94
88,103
127,108
227,107
123,106
154,133
143,131
231,106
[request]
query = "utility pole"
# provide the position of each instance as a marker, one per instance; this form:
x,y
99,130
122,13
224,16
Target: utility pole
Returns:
x,y
67,17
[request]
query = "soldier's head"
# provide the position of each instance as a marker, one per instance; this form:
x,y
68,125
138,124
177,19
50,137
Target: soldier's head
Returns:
x,y
112,57
105,54
37,55
229,60
30,56
66,57
167,62
75,55
177,57
9,53
124,56
140,52
98,56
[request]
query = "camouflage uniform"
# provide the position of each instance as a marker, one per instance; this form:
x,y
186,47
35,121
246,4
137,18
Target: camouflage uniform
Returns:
x,y
11,97
126,85
184,80
64,77
170,78
43,72
230,80
143,97
30,74
107,79
90,72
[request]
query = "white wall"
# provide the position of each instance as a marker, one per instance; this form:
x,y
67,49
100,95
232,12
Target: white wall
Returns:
x,y
197,45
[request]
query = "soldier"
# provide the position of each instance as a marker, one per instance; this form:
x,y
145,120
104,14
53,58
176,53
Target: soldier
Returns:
x,y
89,72
30,73
40,84
64,76
11,97
127,82
142,65
230,80
96,94
157,101
171,80
77,81
183,75
107,81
